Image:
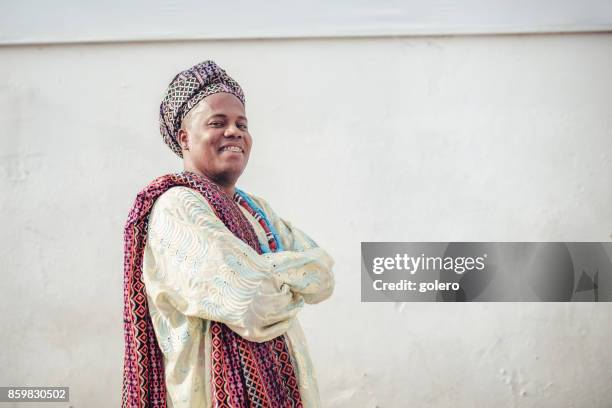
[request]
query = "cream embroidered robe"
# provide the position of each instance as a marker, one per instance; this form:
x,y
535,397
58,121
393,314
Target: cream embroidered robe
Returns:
x,y
196,271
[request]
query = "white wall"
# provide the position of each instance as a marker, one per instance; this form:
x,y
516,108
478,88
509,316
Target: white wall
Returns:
x,y
74,21
502,138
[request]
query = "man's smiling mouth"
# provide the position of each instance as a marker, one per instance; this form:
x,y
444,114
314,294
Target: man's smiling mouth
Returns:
x,y
232,149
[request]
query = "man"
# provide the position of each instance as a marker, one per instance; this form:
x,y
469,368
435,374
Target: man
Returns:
x,y
214,278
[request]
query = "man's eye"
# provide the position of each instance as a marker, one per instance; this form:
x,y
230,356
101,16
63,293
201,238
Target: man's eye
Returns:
x,y
242,126
216,124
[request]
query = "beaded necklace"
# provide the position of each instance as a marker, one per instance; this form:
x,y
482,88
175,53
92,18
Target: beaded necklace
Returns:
x,y
246,202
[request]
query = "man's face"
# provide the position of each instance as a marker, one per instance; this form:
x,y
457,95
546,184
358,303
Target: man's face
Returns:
x,y
216,134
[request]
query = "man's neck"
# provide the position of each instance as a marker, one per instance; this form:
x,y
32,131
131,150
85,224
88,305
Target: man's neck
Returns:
x,y
227,187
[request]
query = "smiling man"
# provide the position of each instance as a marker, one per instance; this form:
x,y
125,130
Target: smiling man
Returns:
x,y
213,278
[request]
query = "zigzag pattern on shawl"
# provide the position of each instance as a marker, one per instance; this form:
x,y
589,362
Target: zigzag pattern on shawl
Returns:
x,y
244,373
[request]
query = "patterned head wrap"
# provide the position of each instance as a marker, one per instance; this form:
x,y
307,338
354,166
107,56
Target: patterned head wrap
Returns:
x,y
185,91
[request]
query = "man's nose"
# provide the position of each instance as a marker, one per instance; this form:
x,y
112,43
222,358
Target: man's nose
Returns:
x,y
232,131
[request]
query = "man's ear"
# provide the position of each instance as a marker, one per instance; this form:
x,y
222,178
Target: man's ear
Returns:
x,y
183,139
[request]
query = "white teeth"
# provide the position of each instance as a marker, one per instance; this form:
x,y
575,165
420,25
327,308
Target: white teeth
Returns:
x,y
233,149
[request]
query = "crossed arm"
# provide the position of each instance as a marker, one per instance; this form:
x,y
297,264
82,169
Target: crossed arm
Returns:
x,y
202,270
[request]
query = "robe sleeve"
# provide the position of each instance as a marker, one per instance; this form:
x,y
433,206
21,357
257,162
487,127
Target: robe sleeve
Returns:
x,y
202,270
313,280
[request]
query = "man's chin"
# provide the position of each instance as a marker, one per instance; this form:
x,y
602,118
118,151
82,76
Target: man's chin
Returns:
x,y
230,174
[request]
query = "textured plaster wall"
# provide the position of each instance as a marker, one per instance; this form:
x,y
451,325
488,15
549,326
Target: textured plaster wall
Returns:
x,y
504,138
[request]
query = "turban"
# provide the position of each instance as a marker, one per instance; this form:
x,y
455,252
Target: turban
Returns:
x,y
185,91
